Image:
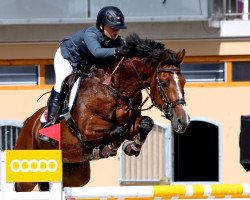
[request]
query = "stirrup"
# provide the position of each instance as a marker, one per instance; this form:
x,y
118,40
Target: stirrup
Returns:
x,y
44,138
47,124
47,139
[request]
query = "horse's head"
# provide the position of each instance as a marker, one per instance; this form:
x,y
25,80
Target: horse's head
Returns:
x,y
166,81
167,90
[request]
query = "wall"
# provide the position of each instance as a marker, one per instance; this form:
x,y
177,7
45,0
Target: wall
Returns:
x,y
46,50
223,105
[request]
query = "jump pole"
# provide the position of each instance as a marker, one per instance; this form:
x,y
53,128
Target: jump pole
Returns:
x,y
199,191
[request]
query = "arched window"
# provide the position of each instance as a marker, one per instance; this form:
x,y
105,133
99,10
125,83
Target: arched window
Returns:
x,y
197,153
9,130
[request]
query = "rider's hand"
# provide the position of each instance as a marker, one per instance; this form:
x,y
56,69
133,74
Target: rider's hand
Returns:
x,y
121,51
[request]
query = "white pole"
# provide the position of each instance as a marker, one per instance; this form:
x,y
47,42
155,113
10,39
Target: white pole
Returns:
x,y
245,10
55,191
109,192
2,174
6,188
29,196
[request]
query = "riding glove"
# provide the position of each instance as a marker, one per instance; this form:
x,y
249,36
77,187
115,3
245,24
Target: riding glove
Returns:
x,y
121,51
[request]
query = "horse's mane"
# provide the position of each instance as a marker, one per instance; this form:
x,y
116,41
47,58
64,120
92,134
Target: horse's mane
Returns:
x,y
144,48
148,49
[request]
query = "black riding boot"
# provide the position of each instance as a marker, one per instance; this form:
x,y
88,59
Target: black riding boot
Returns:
x,y
53,110
53,107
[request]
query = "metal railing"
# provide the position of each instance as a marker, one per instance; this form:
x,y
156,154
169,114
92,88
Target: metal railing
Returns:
x,y
230,10
9,131
150,166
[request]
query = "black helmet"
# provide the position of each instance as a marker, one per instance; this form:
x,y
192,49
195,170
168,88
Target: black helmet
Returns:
x,y
111,16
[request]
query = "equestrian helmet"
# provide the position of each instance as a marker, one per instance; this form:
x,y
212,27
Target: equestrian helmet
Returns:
x,y
111,16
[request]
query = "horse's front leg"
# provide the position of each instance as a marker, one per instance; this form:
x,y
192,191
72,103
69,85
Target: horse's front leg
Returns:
x,y
143,125
118,135
108,149
110,146
110,135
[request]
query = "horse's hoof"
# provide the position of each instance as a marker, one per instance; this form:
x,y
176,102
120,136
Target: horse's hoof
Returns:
x,y
113,153
106,152
129,149
134,153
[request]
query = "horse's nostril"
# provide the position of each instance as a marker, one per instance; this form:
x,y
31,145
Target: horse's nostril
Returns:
x,y
180,121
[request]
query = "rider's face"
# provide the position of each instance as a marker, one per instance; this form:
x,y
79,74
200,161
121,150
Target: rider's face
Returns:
x,y
111,33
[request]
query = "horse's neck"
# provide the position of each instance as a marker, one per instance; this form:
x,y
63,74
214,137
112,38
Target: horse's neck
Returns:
x,y
129,80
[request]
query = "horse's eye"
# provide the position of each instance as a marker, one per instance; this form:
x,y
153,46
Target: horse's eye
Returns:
x,y
164,84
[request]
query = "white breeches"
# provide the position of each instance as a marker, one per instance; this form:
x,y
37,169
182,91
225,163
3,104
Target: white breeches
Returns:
x,y
62,68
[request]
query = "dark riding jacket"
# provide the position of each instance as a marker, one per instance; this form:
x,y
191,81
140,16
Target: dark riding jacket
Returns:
x,y
90,45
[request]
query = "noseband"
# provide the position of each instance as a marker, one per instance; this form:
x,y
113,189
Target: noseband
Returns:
x,y
167,106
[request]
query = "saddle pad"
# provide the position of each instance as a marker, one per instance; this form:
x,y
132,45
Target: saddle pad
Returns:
x,y
44,116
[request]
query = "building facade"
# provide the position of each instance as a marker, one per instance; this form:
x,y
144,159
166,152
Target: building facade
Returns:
x,y
216,37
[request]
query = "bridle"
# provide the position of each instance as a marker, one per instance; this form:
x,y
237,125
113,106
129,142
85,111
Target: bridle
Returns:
x,y
167,106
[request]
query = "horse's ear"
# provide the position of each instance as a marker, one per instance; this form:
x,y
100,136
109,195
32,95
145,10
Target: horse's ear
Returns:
x,y
165,56
180,56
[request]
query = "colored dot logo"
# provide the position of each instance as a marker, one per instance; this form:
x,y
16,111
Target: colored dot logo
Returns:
x,y
33,165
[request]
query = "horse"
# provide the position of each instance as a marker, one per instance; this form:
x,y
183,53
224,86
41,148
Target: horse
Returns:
x,y
108,115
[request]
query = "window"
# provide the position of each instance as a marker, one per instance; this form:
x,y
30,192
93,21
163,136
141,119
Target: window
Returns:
x,y
150,166
79,11
9,131
212,71
43,9
230,9
18,75
199,71
27,73
49,74
234,9
202,138
204,72
241,71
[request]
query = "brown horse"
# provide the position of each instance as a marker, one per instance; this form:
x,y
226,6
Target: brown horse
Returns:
x,y
109,115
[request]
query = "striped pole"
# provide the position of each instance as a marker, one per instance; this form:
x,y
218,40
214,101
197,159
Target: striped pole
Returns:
x,y
199,191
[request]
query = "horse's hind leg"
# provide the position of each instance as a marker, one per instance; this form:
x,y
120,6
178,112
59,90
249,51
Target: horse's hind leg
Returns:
x,y
43,186
26,141
27,187
76,174
24,187
134,147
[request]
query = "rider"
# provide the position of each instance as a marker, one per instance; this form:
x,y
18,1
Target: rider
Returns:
x,y
97,42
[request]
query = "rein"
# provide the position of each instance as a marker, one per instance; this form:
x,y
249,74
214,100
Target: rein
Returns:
x,y
166,107
129,100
